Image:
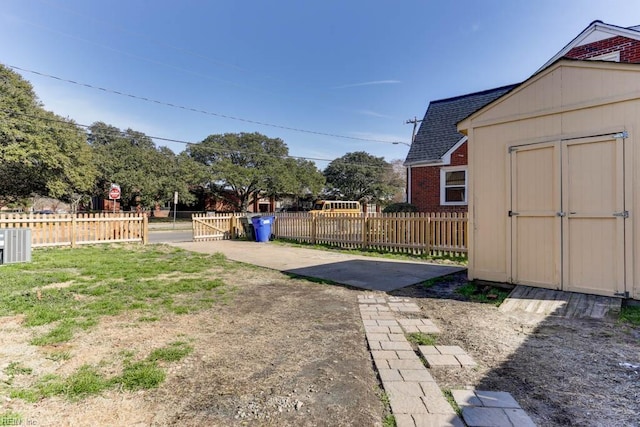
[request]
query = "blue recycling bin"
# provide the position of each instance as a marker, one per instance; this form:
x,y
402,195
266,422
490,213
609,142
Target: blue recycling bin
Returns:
x,y
262,227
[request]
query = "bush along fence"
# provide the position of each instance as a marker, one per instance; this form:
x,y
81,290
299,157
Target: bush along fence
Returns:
x,y
78,229
416,233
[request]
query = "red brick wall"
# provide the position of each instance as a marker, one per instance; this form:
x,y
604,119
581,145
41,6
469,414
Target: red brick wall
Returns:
x,y
425,184
629,49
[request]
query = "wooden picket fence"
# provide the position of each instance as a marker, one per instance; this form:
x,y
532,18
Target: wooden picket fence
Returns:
x,y
221,226
418,233
78,229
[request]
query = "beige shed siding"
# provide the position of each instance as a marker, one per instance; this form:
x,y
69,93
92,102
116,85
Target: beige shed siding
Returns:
x,y
568,100
489,188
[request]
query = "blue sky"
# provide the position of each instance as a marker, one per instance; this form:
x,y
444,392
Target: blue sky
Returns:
x,y
346,67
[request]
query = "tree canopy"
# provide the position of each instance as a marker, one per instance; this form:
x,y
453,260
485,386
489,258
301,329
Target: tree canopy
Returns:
x,y
361,176
40,153
243,165
146,174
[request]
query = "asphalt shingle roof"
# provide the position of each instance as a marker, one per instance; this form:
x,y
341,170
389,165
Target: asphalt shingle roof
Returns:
x,y
438,132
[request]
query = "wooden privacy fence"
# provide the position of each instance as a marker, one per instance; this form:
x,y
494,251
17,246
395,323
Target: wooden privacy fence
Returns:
x,y
78,229
432,233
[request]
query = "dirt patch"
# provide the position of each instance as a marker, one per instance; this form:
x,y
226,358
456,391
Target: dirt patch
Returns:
x,y
564,372
286,352
280,352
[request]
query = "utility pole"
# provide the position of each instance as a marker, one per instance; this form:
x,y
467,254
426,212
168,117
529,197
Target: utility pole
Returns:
x,y
415,122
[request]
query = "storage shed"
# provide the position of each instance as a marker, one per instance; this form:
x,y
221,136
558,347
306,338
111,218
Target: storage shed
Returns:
x,y
554,181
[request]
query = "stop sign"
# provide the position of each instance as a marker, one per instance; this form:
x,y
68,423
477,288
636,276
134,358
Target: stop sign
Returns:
x,y
114,193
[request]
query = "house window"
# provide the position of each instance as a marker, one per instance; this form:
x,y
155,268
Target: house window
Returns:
x,y
453,186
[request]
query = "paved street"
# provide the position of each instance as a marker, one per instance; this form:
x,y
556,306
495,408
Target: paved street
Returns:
x,y
168,236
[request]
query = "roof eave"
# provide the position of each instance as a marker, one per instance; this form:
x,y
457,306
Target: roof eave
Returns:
x,y
431,162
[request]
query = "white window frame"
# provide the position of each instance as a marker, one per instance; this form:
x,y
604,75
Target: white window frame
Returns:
x,y
443,174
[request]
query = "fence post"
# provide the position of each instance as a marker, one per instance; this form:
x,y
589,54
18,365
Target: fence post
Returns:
x,y
73,230
314,224
429,237
145,229
193,225
365,231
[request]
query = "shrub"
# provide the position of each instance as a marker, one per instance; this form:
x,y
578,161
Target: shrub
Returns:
x,y
400,207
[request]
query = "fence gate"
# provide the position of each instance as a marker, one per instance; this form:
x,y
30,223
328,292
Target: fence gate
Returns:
x,y
568,215
211,228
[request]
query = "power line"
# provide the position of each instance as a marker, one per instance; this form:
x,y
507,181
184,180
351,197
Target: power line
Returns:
x,y
181,107
159,138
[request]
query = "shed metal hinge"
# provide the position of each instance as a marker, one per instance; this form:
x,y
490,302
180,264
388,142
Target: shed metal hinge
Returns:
x,y
512,213
623,134
623,214
621,294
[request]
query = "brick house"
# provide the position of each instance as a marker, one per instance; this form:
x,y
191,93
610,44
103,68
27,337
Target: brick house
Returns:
x,y
437,161
436,164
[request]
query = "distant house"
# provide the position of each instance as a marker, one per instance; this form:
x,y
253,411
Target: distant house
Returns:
x,y
437,175
437,161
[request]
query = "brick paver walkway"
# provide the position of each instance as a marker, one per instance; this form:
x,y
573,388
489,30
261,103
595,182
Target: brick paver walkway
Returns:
x,y
414,396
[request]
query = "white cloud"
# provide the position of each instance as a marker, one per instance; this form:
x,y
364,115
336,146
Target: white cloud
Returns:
x,y
372,83
372,114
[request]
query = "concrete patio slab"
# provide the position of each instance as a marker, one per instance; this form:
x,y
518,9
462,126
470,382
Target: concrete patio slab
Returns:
x,y
484,417
490,408
352,270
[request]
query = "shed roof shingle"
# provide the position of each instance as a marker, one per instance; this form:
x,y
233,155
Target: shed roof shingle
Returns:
x,y
438,132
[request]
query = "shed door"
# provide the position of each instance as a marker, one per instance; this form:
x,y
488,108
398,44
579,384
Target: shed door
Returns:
x,y
594,221
568,215
535,202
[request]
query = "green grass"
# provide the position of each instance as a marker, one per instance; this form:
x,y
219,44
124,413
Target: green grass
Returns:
x,y
420,338
449,396
389,421
88,381
171,353
85,381
14,369
107,280
630,314
483,294
140,375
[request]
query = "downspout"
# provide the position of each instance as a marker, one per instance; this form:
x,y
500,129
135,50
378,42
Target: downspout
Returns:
x,y
408,185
